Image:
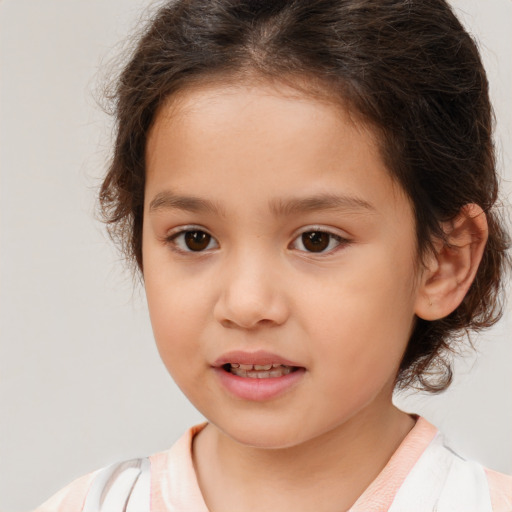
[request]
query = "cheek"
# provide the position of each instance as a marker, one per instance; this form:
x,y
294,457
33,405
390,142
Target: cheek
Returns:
x,y
365,321
178,313
176,328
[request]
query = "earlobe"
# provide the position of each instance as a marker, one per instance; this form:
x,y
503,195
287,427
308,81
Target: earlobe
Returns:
x,y
452,268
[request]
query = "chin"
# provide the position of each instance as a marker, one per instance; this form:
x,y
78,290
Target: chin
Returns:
x,y
263,440
264,432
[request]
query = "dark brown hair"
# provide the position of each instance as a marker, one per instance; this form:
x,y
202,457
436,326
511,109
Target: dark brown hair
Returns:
x,y
407,67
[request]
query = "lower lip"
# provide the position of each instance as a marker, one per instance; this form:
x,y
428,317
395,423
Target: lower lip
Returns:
x,y
258,390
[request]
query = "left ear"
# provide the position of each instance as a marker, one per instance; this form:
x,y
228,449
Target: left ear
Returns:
x,y
452,267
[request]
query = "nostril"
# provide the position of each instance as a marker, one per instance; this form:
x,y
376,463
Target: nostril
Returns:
x,y
249,309
230,324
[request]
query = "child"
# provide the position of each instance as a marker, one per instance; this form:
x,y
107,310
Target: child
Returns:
x,y
308,189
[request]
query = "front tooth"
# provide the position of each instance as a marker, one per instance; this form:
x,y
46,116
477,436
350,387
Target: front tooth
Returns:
x,y
262,366
246,366
235,365
258,374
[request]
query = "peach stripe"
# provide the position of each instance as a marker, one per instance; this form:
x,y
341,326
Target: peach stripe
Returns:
x,y
380,493
500,486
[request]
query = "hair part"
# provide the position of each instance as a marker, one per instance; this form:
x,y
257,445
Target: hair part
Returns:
x,y
407,68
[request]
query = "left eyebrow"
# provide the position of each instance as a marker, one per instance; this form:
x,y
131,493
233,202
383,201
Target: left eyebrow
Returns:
x,y
282,208
168,201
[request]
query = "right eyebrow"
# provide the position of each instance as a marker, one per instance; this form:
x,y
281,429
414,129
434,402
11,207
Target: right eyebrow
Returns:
x,y
320,202
167,200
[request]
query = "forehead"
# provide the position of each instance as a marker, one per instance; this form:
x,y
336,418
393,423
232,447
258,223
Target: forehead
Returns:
x,y
254,109
270,137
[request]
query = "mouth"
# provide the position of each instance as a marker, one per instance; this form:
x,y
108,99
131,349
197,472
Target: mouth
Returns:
x,y
259,371
257,376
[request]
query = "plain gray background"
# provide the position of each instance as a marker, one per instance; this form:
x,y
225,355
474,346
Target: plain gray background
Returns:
x,y
81,384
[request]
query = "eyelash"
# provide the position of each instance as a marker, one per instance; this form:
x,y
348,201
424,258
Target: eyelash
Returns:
x,y
172,238
339,240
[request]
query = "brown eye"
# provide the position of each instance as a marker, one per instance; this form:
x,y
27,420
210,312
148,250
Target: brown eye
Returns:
x,y
191,240
197,240
316,241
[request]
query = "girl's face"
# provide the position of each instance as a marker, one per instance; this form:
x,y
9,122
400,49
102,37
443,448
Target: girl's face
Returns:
x,y
279,262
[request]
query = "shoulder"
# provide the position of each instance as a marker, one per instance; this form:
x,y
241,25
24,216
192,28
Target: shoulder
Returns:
x,y
128,485
442,480
497,486
480,482
71,497
119,487
500,488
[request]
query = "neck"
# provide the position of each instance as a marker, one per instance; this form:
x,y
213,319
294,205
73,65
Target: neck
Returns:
x,y
325,474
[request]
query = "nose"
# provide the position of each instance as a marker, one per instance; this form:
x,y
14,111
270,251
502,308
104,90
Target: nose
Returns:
x,y
252,295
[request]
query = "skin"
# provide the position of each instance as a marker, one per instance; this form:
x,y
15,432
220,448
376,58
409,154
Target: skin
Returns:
x,y
344,315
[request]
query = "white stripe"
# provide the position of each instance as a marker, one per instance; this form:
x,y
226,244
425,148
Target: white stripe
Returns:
x,y
441,481
121,487
140,498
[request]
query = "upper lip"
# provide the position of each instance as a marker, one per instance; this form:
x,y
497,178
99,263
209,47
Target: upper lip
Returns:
x,y
259,357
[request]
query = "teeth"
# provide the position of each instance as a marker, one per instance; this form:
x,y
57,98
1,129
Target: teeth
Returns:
x,y
258,367
269,371
256,375
262,366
